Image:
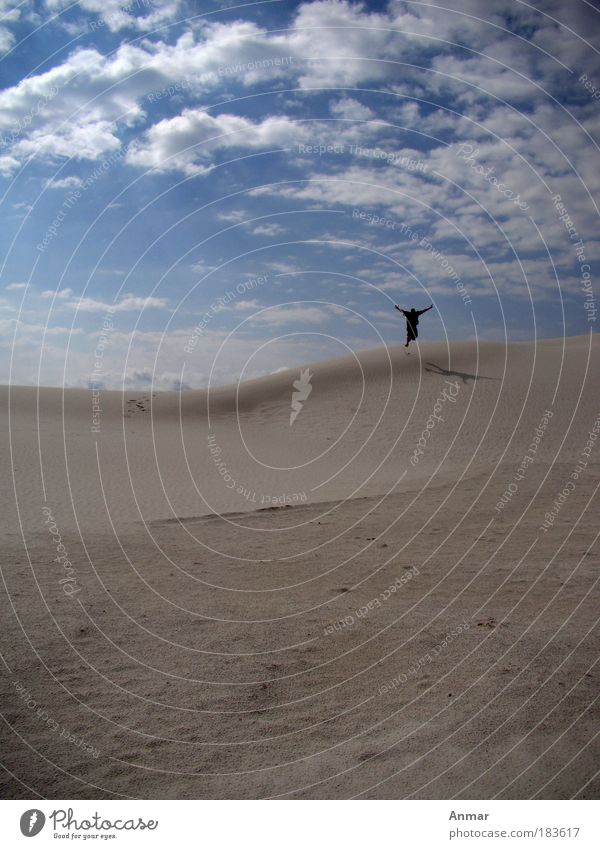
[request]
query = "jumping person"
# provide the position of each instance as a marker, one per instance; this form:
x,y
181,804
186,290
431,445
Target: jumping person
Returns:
x,y
412,319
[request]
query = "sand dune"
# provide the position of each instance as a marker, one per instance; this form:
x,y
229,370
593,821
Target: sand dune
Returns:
x,y
412,623
149,456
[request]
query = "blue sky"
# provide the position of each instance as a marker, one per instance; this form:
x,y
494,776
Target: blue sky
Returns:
x,y
308,164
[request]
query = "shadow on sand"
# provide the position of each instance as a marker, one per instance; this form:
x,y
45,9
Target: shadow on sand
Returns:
x,y
463,375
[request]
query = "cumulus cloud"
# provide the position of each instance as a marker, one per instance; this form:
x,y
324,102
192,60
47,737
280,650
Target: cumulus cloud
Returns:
x,y
81,106
8,165
187,142
351,109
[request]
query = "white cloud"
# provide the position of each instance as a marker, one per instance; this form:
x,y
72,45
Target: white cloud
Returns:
x,y
476,78
55,330
350,108
247,306
188,141
80,107
25,331
64,183
10,13
234,216
8,165
201,267
61,294
128,302
268,230
116,15
13,287
347,36
84,141
282,267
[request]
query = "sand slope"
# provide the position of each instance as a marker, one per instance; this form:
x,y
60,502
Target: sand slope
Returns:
x,y
354,436
395,633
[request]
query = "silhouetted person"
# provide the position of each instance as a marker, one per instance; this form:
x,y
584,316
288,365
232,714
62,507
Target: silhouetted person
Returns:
x,y
412,319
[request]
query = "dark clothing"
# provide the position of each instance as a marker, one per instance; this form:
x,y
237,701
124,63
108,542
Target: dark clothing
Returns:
x,y
412,319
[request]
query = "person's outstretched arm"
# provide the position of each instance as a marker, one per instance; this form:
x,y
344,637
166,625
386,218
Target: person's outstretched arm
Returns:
x,y
426,309
400,308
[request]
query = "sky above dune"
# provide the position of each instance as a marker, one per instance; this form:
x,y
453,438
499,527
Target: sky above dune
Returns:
x,y
207,194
